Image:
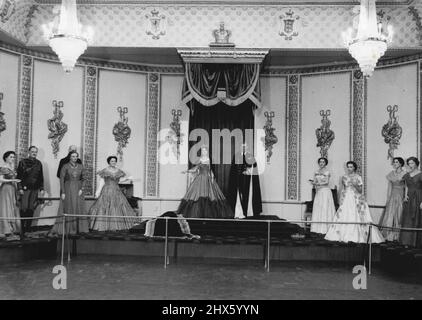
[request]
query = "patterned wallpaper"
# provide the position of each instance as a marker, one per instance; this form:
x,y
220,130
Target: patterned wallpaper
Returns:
x,y
251,25
15,15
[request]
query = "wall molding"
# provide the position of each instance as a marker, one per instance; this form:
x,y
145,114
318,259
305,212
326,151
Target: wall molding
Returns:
x,y
89,128
179,69
152,129
24,110
359,127
293,137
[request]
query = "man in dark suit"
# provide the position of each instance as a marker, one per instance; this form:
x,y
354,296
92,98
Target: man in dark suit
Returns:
x,y
244,168
66,160
30,172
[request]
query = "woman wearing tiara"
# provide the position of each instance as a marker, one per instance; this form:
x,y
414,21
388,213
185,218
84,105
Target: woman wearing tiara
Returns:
x,y
353,208
323,208
391,217
204,199
111,202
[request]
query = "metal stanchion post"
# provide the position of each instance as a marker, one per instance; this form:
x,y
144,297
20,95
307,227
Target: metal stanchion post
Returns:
x,y
63,230
268,246
68,247
166,246
370,249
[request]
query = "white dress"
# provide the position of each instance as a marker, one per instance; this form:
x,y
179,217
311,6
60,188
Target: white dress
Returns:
x,y
323,208
353,208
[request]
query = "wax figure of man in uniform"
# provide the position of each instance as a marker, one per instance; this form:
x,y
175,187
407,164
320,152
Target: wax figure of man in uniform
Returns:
x,y
67,160
244,189
32,182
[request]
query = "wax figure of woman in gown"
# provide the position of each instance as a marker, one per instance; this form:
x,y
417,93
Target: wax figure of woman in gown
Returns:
x,y
72,198
204,198
9,229
391,217
111,202
412,206
353,208
323,207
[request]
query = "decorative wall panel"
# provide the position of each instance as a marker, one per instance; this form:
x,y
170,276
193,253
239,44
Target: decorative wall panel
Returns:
x,y
89,128
152,129
359,123
9,87
24,127
293,137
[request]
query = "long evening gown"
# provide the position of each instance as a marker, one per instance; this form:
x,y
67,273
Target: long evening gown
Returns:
x,y
8,204
204,199
394,207
323,208
353,208
71,181
411,217
111,203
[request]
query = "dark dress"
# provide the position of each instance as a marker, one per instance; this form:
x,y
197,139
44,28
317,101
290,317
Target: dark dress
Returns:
x,y
8,204
204,199
71,181
111,203
411,217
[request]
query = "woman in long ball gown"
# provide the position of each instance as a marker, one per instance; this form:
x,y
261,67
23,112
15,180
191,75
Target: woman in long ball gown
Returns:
x,y
323,208
204,199
353,208
72,198
412,206
111,202
8,203
391,218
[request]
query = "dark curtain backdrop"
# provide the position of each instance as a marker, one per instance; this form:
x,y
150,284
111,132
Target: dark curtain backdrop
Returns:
x,y
221,116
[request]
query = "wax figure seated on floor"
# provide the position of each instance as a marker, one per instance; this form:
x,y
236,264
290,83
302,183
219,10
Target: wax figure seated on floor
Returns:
x,y
157,227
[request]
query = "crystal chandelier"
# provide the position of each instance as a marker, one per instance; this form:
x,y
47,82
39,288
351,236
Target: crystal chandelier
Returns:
x,y
66,36
369,42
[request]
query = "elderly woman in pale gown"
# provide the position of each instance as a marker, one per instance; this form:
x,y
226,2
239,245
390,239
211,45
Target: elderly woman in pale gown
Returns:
x,y
391,218
323,209
353,212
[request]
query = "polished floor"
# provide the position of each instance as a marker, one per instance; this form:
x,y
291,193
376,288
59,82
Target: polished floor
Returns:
x,y
116,277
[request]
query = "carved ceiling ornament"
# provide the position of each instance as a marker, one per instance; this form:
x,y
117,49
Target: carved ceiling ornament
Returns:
x,y
7,8
157,24
287,25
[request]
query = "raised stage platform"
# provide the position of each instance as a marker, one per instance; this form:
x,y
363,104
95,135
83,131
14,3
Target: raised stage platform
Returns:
x,y
227,240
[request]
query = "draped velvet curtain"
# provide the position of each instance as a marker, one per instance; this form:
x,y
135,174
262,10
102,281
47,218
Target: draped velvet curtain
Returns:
x,y
239,82
220,116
